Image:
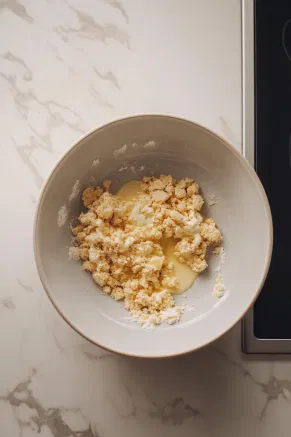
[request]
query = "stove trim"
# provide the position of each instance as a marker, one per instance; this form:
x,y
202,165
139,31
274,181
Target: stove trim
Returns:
x,y
250,343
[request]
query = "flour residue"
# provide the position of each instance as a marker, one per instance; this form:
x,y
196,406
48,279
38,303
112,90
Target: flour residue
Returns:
x,y
150,324
62,216
219,251
75,191
124,167
120,151
169,316
219,287
92,180
63,213
212,200
137,169
132,167
96,162
188,308
149,145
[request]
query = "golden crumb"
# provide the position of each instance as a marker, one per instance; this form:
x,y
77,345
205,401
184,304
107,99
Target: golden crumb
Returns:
x,y
90,195
89,266
210,232
77,229
106,185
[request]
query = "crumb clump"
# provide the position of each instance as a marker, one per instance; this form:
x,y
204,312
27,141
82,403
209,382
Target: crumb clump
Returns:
x,y
119,243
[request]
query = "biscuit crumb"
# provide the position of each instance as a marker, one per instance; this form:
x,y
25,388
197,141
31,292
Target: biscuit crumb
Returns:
x,y
74,253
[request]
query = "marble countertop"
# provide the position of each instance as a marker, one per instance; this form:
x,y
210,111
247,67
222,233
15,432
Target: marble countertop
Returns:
x,y
67,66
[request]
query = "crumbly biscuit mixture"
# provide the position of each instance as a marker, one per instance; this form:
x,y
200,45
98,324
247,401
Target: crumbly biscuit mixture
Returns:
x,y
119,243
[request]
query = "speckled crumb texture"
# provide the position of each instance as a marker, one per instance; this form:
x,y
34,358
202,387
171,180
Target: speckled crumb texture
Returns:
x,y
120,243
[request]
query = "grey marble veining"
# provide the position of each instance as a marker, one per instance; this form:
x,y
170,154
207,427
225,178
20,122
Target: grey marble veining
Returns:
x,y
67,66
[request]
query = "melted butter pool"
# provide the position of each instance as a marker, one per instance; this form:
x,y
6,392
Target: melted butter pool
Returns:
x,y
185,275
131,191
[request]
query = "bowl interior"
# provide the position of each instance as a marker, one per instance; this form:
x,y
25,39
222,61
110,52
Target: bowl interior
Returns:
x,y
130,149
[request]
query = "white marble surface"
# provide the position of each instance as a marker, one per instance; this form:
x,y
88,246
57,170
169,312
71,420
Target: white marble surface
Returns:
x,y
67,66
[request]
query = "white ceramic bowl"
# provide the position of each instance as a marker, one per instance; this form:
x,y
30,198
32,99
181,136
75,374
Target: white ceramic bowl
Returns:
x,y
130,149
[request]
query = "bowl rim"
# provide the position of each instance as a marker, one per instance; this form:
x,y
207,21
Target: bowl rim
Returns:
x,y
233,150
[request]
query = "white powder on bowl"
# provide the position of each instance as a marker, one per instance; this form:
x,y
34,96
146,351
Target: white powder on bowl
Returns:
x,y
75,191
120,151
96,162
62,216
